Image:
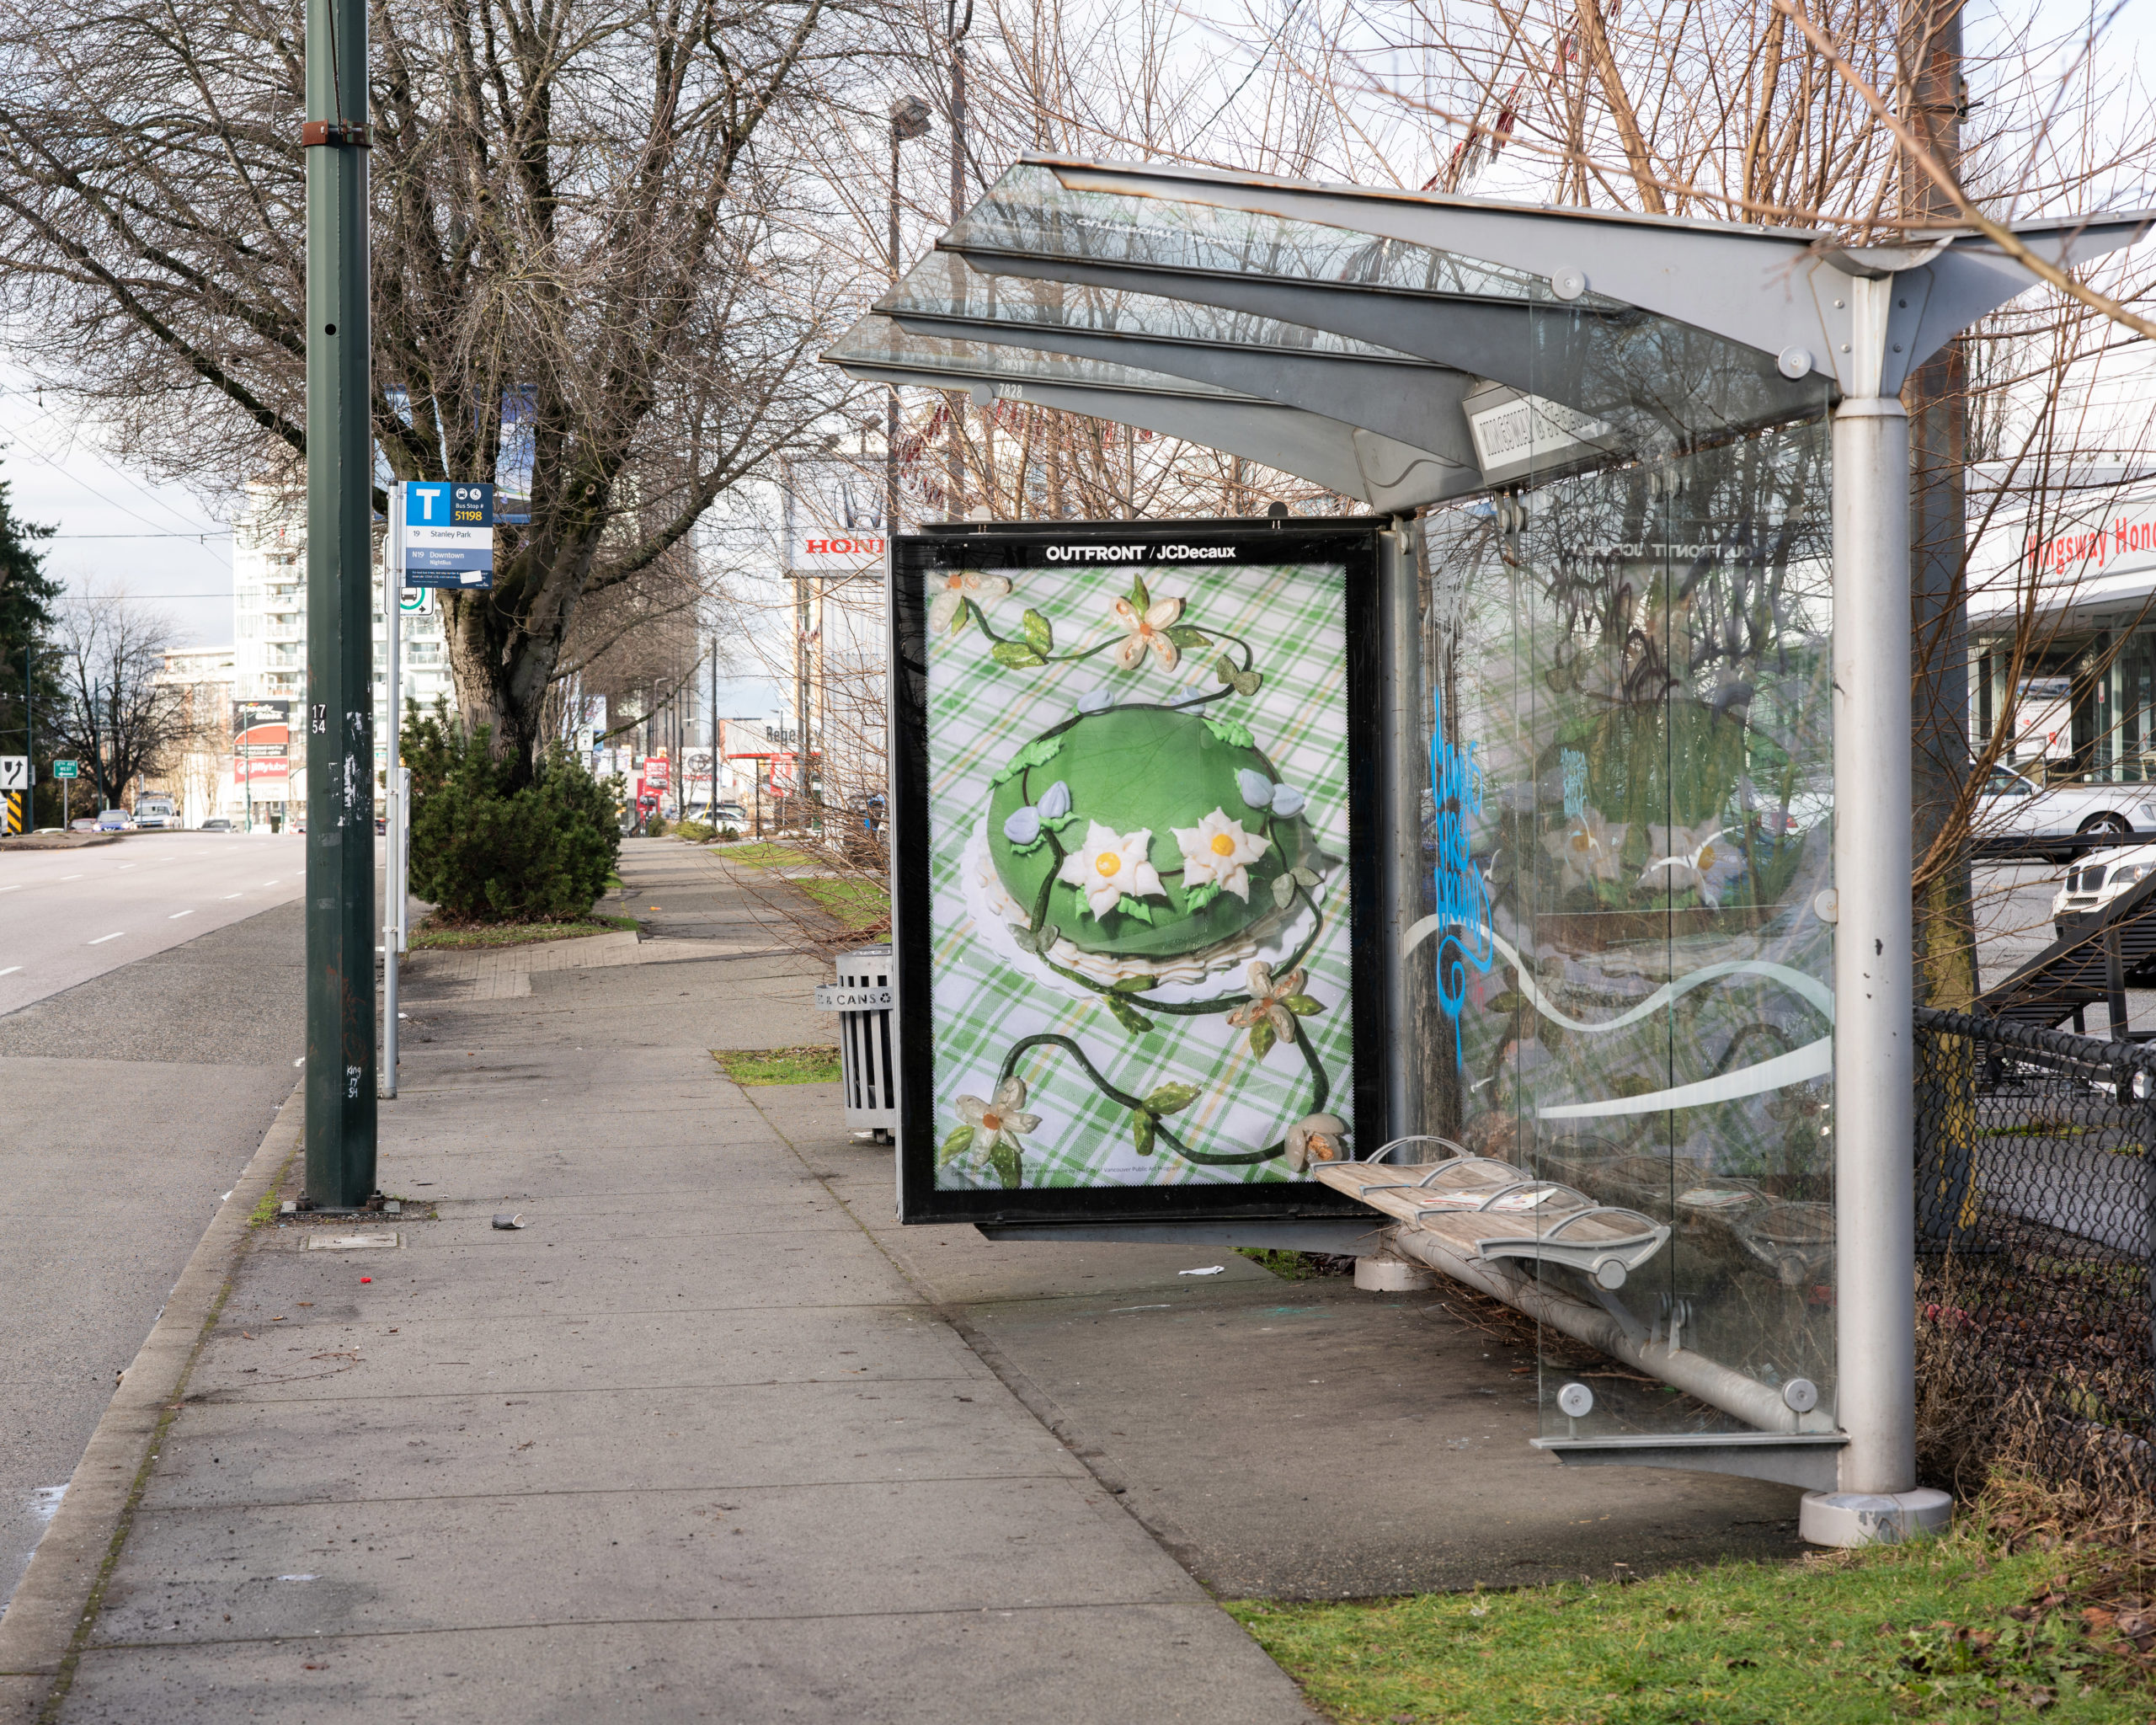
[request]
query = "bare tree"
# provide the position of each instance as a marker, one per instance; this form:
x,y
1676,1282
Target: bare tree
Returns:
x,y
118,712
597,276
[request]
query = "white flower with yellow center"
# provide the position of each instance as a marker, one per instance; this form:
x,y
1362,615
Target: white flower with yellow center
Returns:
x,y
1110,864
1705,860
1148,628
1219,851
1001,1118
1586,847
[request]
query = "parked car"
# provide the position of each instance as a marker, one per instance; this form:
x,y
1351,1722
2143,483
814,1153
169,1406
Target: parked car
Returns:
x,y
156,812
84,822
216,823
2015,814
115,821
731,814
2095,880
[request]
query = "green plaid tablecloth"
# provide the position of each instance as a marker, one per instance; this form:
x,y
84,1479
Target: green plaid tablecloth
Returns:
x,y
980,715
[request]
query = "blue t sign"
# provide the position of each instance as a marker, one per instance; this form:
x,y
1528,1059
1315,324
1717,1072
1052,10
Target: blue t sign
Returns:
x,y
449,534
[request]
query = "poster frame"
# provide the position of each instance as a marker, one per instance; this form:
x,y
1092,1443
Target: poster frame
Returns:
x,y
1351,542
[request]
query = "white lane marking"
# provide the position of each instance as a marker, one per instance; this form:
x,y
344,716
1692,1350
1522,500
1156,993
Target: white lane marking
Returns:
x,y
127,865
269,883
177,915
103,939
71,877
16,888
12,969
232,895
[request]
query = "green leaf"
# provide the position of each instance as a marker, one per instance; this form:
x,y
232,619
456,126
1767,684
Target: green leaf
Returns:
x,y
1004,1159
1308,877
1141,1131
1224,669
1189,639
1138,596
1284,891
955,1145
1262,1038
1019,655
1037,753
1037,632
1134,907
1050,935
1135,1021
1303,1006
1172,1098
1199,896
1234,735
1247,682
964,616
1133,984
1023,937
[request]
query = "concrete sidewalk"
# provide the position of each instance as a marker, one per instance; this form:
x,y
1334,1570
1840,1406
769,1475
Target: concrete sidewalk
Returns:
x,y
690,1444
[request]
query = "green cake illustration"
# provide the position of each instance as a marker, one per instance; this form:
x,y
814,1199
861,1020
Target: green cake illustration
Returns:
x,y
1145,832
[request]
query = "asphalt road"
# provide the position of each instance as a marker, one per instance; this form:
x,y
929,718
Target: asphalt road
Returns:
x,y
68,916
139,1075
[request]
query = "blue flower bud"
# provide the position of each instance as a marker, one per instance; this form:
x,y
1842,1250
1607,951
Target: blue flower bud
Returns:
x,y
1055,801
1287,802
1022,826
1255,787
1096,699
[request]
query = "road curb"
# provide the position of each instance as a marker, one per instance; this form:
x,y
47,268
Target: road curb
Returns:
x,y
57,1601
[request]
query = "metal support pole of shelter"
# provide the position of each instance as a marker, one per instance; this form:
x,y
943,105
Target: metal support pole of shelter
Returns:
x,y
340,932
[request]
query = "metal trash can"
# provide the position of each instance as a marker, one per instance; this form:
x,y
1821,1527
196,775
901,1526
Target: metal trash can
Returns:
x,y
862,997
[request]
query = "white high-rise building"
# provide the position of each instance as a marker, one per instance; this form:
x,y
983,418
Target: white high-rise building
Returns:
x,y
270,642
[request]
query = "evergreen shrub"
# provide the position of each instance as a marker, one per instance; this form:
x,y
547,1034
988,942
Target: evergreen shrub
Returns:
x,y
485,849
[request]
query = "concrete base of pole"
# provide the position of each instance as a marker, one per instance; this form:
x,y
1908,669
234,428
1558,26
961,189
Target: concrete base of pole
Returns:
x,y
1872,1518
1392,1275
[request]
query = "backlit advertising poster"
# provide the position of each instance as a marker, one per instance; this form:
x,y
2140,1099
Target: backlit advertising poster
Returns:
x,y
1134,785
262,746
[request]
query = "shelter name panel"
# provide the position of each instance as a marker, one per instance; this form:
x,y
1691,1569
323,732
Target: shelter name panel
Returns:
x,y
1135,809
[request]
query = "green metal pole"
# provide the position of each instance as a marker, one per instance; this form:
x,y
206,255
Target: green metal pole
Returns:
x,y
340,919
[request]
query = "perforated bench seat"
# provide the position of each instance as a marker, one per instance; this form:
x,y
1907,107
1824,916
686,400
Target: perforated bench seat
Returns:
x,y
1481,1208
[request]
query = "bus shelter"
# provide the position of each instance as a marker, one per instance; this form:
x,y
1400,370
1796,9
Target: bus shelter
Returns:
x,y
1636,868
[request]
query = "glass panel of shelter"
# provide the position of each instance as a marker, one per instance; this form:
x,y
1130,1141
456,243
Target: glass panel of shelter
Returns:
x,y
1629,681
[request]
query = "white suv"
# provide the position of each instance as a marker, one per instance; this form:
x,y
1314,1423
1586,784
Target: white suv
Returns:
x,y
2095,881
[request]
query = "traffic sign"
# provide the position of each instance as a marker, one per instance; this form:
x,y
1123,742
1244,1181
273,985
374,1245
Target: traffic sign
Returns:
x,y
14,772
66,769
415,601
449,534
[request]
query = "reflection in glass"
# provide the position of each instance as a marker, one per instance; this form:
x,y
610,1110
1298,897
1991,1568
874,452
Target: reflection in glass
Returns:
x,y
1630,677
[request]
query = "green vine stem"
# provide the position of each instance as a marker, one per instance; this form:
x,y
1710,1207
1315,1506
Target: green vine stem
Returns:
x,y
1137,1104
979,619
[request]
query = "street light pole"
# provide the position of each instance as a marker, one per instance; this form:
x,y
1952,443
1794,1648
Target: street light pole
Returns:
x,y
340,932
909,119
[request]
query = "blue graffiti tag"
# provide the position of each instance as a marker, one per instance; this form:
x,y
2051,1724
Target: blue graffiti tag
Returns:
x,y
1464,938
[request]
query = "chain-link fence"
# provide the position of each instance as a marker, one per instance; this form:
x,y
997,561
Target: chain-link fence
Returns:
x,y
2036,1219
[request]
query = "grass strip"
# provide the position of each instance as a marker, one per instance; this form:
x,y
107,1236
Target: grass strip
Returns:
x,y
857,906
815,1064
764,854
515,934
1952,1631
